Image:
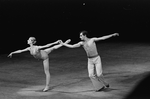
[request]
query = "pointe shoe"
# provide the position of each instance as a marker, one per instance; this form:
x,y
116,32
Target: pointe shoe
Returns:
x,y
46,89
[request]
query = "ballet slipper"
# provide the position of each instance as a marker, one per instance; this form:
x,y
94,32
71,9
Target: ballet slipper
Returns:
x,y
46,89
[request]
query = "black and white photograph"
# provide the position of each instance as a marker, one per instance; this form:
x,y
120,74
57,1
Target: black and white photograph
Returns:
x,y
74,49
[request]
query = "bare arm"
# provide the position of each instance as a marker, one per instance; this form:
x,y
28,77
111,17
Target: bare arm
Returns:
x,y
18,51
105,37
48,45
61,44
73,46
58,46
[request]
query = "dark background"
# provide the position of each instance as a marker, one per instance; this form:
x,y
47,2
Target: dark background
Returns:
x,y
50,20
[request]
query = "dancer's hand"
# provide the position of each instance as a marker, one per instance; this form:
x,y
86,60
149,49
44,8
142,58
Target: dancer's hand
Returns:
x,y
60,42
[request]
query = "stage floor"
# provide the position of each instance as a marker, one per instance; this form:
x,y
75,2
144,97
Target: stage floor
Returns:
x,y
125,65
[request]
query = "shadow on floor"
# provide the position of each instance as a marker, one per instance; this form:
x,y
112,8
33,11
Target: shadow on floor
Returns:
x,y
141,91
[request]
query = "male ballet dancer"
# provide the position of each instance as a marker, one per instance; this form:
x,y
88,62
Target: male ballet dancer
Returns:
x,y
94,60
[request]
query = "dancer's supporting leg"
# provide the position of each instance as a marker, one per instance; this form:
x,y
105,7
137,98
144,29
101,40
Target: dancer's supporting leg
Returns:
x,y
99,73
95,73
46,64
91,70
47,73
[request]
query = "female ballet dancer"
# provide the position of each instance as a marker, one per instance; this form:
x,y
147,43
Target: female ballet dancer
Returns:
x,y
40,53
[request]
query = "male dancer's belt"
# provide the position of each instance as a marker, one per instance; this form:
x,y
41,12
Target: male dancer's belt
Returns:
x,y
93,56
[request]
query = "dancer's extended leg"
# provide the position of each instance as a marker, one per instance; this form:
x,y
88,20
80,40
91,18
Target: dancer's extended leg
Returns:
x,y
48,50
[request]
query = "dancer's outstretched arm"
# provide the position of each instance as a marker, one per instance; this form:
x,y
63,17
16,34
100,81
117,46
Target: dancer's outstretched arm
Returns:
x,y
72,46
56,46
61,44
105,37
18,51
50,44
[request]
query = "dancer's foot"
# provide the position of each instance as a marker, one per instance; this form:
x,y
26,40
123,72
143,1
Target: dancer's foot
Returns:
x,y
107,86
46,89
100,89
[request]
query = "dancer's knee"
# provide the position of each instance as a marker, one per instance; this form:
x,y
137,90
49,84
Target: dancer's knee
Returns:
x,y
47,73
99,75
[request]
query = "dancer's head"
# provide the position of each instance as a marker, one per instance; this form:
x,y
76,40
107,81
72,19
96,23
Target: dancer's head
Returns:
x,y
83,35
31,40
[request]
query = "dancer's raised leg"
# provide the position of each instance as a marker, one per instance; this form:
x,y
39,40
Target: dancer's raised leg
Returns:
x,y
48,50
